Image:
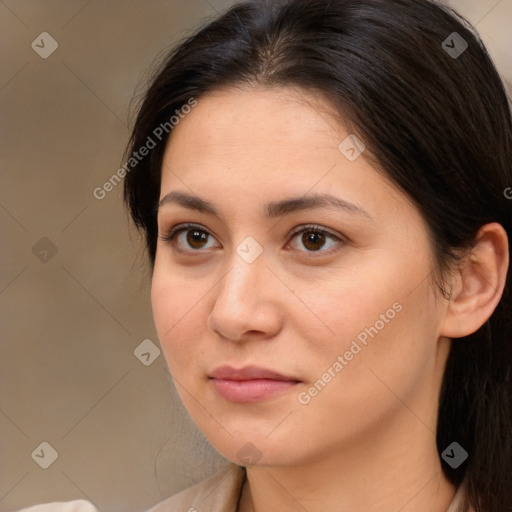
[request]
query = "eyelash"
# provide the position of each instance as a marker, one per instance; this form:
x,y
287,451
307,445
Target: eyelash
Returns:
x,y
310,228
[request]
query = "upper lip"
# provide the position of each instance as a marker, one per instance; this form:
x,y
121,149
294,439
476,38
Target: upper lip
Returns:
x,y
248,373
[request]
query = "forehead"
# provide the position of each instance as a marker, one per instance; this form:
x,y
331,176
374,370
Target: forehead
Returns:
x,y
262,144
259,139
237,121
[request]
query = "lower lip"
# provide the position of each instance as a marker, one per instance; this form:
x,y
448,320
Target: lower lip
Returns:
x,y
246,391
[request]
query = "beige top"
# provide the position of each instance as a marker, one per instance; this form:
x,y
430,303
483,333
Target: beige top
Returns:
x,y
219,493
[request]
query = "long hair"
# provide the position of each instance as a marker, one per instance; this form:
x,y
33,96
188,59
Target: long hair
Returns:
x,y
414,81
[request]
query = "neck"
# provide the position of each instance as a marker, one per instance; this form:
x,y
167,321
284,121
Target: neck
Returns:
x,y
396,471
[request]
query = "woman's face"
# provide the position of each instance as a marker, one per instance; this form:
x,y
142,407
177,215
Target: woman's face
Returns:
x,y
346,317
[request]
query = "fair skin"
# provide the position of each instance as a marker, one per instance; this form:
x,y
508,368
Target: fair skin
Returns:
x,y
366,440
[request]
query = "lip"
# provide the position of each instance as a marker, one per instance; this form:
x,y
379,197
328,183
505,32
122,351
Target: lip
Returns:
x,y
249,384
248,373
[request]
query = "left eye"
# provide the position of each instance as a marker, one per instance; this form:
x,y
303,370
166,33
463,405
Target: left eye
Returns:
x,y
313,238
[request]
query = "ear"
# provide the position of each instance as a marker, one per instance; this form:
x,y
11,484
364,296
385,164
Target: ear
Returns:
x,y
478,284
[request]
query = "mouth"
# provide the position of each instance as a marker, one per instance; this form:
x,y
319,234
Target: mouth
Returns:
x,y
249,384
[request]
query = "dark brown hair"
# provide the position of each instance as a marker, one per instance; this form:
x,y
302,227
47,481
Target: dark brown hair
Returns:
x,y
436,119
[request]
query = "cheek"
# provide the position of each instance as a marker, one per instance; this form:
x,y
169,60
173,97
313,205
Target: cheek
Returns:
x,y
336,308
178,315
375,376
381,320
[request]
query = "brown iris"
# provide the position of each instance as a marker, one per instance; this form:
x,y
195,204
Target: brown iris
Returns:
x,y
310,238
195,236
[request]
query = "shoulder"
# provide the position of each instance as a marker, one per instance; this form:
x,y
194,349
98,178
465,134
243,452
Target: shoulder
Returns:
x,y
63,506
460,502
219,492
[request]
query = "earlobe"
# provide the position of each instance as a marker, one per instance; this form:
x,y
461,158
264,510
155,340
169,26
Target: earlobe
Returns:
x,y
478,284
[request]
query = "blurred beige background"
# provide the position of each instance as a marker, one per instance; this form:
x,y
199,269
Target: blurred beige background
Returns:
x,y
74,291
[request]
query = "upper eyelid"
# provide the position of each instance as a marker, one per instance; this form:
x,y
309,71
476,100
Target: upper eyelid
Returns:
x,y
312,227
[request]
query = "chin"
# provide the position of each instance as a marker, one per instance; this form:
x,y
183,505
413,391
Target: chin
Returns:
x,y
254,449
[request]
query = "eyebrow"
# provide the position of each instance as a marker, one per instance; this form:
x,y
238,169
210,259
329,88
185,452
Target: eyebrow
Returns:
x,y
271,210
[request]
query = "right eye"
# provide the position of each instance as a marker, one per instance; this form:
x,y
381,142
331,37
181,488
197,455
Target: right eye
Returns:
x,y
187,237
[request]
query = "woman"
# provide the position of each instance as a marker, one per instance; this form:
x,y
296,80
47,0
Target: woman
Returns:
x,y
322,185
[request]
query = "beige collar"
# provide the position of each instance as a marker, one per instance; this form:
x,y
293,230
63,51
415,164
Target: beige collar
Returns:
x,y
222,492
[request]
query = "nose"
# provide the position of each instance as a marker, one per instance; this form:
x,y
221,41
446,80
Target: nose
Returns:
x,y
246,302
